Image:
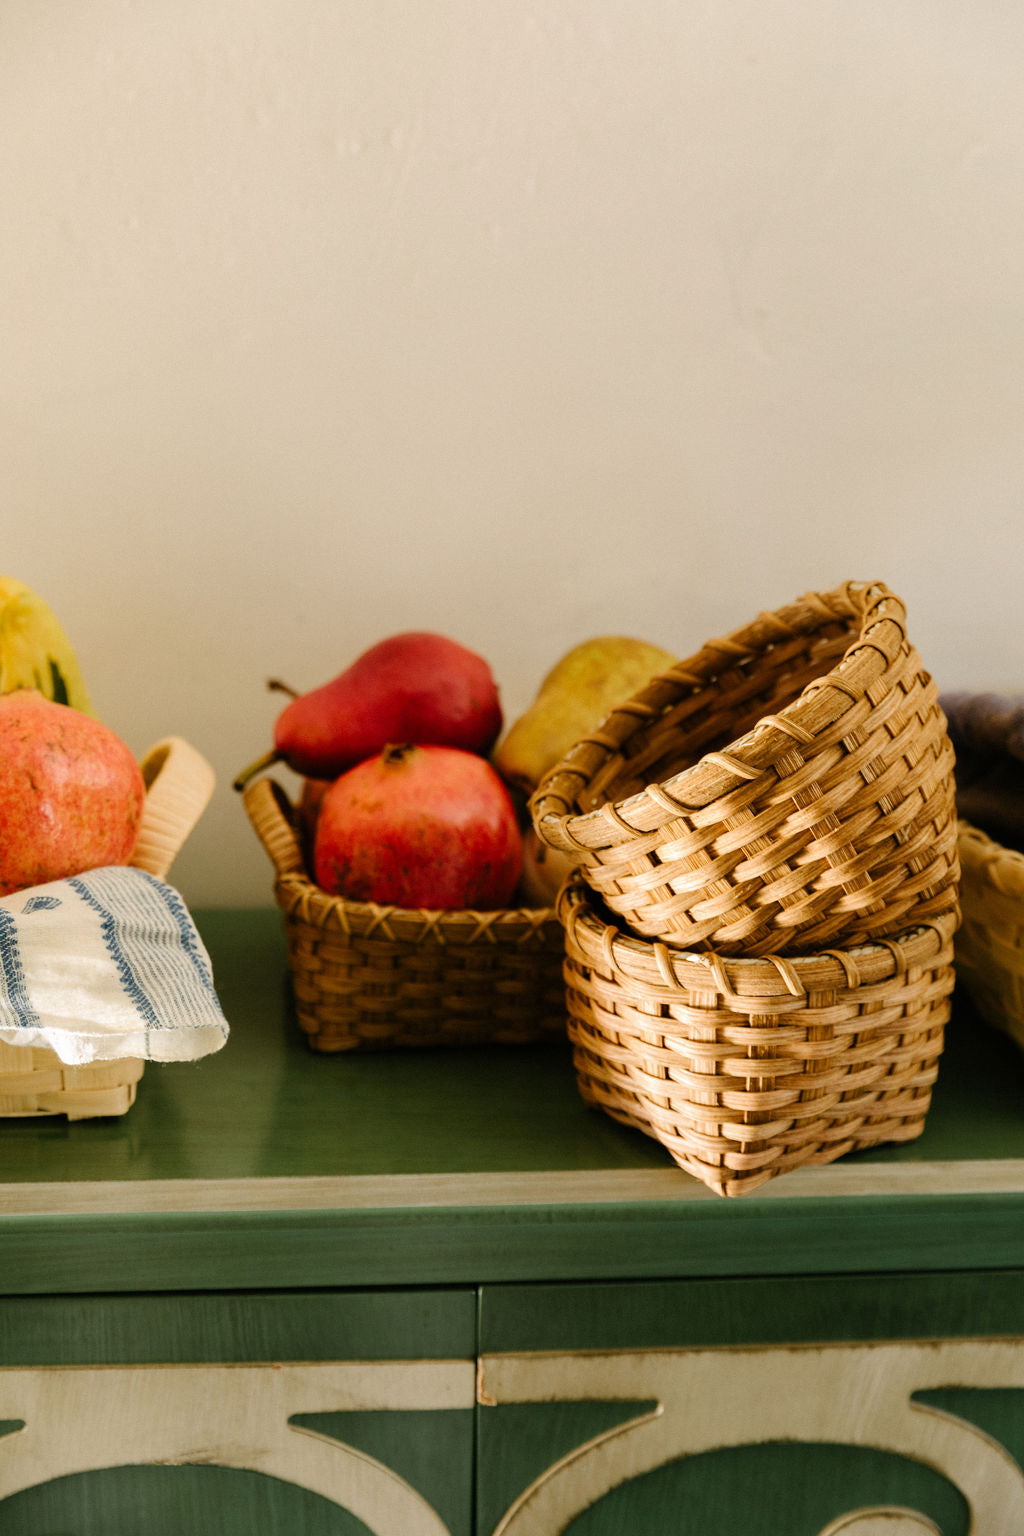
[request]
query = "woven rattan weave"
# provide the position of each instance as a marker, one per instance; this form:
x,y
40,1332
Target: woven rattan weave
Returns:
x,y
34,1081
987,731
745,1069
788,787
367,977
990,944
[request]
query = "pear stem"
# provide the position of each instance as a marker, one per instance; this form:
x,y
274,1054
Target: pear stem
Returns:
x,y
266,761
276,686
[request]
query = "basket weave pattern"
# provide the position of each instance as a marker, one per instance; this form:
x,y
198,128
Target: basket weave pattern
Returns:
x,y
990,945
368,977
789,787
746,1068
36,1082
988,734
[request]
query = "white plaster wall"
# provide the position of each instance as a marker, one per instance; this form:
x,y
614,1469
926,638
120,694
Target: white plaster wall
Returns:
x,y
322,319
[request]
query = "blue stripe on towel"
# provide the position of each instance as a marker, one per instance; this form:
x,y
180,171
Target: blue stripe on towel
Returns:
x,y
190,941
14,999
161,964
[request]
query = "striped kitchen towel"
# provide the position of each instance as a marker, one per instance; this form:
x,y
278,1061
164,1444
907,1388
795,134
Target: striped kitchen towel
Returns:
x,y
105,965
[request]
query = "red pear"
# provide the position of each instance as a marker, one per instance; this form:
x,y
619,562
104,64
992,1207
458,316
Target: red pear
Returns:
x,y
417,687
423,826
71,793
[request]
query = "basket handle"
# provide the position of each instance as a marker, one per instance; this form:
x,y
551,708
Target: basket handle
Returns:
x,y
268,808
179,783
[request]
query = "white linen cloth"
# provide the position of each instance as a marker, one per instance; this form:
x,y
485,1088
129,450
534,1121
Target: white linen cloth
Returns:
x,y
105,965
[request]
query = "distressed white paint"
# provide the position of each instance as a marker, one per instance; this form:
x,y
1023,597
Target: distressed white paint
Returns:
x,y
84,1418
324,319
79,1419
710,1398
882,1522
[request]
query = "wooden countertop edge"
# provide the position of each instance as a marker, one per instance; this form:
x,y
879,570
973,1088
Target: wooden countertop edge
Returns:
x,y
423,1191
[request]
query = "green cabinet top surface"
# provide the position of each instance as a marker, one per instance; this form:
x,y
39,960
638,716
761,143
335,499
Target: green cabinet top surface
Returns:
x,y
269,1164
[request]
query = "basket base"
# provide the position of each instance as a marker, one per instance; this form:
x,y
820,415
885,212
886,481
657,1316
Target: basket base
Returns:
x,y
880,1119
478,983
364,1034
34,1082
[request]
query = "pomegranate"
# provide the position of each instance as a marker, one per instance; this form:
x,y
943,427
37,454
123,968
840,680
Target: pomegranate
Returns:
x,y
419,826
71,793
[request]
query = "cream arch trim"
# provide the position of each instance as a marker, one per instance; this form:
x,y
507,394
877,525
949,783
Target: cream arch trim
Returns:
x,y
882,1522
711,1398
84,1418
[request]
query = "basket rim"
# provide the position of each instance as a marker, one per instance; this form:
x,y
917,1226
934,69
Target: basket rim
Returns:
x,y
652,964
271,812
881,639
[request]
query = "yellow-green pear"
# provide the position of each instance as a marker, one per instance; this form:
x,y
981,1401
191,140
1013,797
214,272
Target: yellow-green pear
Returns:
x,y
573,699
544,871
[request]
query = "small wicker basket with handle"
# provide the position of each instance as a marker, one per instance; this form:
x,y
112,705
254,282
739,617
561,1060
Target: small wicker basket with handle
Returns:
x,y
368,977
33,1080
788,787
744,1069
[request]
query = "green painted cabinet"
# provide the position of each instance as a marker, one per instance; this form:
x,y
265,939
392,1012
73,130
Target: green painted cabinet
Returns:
x,y
432,1294
873,1406
316,1414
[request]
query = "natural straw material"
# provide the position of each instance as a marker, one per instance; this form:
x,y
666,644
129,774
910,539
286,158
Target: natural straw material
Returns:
x,y
988,733
744,1069
179,784
787,788
33,1079
368,977
990,944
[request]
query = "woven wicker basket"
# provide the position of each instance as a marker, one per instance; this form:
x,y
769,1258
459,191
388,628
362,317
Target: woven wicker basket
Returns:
x,y
987,731
745,1069
34,1081
367,977
788,787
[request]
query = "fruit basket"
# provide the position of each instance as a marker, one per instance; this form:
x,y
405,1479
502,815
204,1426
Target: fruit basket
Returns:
x,y
744,1069
987,731
367,977
789,787
34,1081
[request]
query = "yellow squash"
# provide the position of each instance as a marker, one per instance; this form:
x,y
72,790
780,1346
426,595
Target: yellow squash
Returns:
x,y
34,650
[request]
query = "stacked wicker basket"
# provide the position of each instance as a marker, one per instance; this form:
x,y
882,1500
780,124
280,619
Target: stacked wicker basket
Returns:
x,y
759,932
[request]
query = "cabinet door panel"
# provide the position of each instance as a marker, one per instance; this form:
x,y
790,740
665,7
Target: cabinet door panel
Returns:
x,y
776,1490
173,1501
846,1405
321,1413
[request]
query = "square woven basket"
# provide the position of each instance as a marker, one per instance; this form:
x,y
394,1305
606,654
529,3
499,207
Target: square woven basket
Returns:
x,y
987,731
34,1080
367,977
788,787
744,1069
